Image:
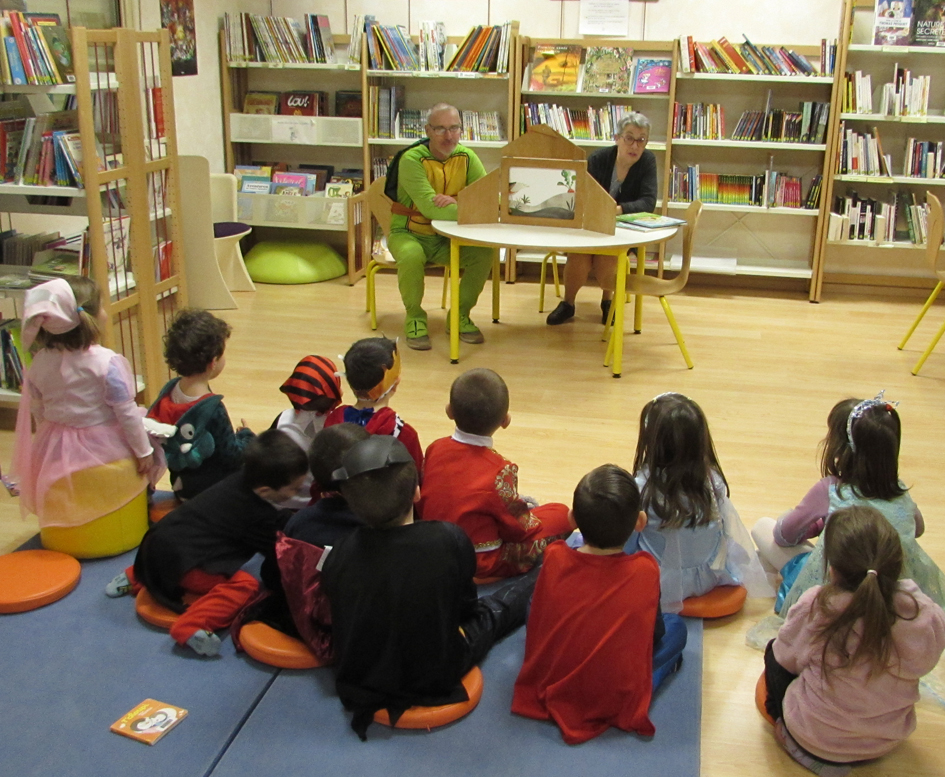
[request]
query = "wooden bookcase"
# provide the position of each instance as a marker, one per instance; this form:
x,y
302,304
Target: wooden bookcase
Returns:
x,y
878,262
124,96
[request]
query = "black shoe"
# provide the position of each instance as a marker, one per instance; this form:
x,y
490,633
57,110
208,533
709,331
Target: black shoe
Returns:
x,y
560,314
605,310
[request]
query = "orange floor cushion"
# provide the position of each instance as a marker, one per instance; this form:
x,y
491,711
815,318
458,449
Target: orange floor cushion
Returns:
x,y
433,717
761,695
33,578
157,510
486,580
270,646
157,614
720,601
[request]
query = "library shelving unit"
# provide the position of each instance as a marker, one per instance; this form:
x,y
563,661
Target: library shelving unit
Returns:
x,y
900,261
777,242
125,106
329,140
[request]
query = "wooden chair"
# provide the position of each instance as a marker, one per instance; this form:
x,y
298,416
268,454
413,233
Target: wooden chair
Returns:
x,y
379,206
652,286
936,228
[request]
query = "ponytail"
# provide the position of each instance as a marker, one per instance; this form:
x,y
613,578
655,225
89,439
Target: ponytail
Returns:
x,y
865,554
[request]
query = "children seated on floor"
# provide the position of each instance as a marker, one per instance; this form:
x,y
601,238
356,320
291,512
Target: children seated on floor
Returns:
x,y
843,673
372,369
199,547
467,483
205,448
860,466
597,645
406,621
314,389
692,528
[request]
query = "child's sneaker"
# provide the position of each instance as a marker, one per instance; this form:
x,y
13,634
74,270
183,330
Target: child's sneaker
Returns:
x,y
119,586
206,643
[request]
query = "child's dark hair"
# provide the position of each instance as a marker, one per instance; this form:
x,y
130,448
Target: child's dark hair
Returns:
x,y
88,298
273,459
676,448
328,448
480,401
872,469
193,340
366,361
865,553
381,497
606,506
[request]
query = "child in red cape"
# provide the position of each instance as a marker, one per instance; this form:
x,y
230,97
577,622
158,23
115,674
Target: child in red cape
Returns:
x,y
597,644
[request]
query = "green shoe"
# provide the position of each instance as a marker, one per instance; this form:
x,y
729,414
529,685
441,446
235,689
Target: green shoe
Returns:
x,y
417,337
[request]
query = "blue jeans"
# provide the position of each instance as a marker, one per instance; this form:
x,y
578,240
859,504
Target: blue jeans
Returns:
x,y
669,648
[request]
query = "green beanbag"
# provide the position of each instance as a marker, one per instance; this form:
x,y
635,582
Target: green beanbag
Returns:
x,y
293,261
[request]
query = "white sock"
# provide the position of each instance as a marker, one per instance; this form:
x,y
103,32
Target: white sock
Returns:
x,y
206,643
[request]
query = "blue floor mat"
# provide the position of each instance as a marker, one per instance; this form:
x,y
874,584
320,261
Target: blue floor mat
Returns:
x,y
72,668
299,727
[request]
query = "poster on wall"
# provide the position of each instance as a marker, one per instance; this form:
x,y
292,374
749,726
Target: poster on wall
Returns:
x,y
177,17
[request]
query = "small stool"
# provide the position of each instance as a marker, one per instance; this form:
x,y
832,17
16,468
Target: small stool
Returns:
x,y
720,601
761,696
226,246
270,646
33,578
157,614
117,532
434,717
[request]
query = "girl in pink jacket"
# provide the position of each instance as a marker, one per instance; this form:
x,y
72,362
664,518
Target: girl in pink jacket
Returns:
x,y
843,673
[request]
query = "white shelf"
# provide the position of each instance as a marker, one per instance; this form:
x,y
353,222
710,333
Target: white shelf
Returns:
x,y
41,191
759,144
879,117
796,79
334,66
337,131
653,146
886,180
97,81
409,141
899,245
810,212
869,48
437,74
596,95
273,210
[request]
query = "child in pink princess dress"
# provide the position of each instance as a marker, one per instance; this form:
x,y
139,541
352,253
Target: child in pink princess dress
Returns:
x,y
90,455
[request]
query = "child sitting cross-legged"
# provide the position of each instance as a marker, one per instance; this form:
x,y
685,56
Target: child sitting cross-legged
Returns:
x,y
372,369
467,483
597,645
198,548
406,622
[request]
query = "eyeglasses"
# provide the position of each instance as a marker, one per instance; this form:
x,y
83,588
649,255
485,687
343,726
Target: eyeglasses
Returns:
x,y
632,141
454,129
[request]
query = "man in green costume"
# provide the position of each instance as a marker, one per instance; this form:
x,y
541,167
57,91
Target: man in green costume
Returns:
x,y
428,180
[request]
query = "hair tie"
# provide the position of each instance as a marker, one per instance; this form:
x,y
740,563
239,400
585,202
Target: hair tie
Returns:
x,y
861,408
872,572
80,309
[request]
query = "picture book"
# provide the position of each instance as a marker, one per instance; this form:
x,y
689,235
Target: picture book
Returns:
x,y
250,186
892,23
60,48
339,189
607,70
299,180
261,103
286,190
646,221
928,22
652,76
304,104
555,69
348,103
149,721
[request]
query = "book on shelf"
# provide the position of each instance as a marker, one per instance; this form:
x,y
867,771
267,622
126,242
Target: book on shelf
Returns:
x,y
892,23
390,48
149,721
554,69
607,70
576,123
348,103
432,46
721,56
923,159
386,102
163,260
354,176
699,121
36,50
13,357
319,34
484,50
278,39
807,125
265,103
303,104
928,23
410,124
652,76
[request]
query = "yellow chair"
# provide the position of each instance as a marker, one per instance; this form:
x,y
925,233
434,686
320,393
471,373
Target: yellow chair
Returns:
x,y
652,286
551,258
379,206
936,227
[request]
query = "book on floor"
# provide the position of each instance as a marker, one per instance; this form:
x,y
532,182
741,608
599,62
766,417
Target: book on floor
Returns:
x,y
149,721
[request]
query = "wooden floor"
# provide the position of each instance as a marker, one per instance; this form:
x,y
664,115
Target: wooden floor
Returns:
x,y
768,368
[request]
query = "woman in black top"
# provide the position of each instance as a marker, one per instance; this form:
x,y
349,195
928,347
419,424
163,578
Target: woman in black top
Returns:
x,y
628,172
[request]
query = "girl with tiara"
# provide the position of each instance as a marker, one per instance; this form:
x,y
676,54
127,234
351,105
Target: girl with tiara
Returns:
x,y
90,455
860,466
842,675
692,528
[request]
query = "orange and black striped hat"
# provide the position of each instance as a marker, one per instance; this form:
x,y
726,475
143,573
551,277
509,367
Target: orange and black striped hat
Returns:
x,y
314,376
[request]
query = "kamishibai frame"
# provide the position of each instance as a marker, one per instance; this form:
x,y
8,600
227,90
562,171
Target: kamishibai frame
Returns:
x,y
543,192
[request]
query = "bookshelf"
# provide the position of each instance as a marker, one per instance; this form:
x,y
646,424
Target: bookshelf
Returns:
x,y
880,257
123,90
757,193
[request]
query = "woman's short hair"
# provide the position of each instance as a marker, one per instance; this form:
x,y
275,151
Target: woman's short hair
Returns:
x,y
633,119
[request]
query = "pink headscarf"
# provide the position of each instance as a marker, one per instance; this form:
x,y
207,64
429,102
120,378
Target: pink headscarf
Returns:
x,y
50,306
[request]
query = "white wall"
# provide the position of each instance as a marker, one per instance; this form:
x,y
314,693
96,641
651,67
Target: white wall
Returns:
x,y
197,98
